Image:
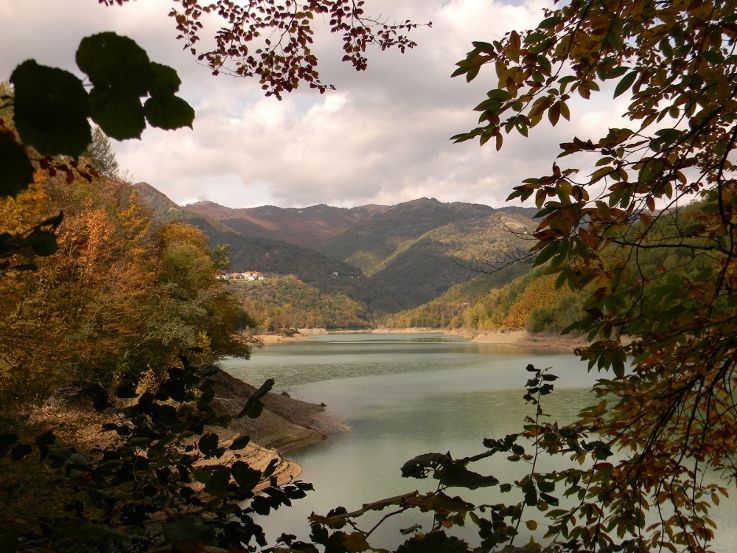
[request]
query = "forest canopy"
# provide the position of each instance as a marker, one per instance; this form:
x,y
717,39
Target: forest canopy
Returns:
x,y
663,324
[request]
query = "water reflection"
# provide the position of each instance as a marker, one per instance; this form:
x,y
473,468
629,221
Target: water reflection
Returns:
x,y
331,357
404,395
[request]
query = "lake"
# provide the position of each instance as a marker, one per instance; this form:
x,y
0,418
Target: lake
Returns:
x,y
407,394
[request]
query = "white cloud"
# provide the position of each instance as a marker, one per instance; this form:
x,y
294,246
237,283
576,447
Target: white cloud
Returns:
x,y
383,137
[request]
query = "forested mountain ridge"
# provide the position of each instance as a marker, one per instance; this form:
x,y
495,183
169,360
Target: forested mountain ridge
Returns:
x,y
386,257
423,247
370,241
521,297
308,227
329,276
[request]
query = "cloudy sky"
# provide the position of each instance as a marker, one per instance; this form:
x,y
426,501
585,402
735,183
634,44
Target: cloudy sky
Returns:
x,y
381,137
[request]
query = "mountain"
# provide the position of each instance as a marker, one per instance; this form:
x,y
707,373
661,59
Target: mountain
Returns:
x,y
388,258
315,269
423,247
308,227
254,253
157,201
369,242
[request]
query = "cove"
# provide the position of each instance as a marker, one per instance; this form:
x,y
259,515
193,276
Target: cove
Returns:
x,y
407,394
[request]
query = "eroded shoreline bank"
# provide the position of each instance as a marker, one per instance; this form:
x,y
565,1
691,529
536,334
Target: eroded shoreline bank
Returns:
x,y
284,425
520,338
288,424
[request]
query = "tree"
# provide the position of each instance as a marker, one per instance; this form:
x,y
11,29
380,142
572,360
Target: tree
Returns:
x,y
145,489
119,297
100,154
649,237
273,41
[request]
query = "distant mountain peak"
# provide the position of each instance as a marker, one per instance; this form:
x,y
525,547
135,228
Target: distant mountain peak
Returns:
x,y
157,201
204,202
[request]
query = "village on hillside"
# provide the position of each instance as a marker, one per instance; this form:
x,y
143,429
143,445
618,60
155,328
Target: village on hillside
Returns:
x,y
247,275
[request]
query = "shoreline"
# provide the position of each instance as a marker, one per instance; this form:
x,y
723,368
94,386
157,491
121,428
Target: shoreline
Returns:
x,y
523,338
287,424
520,338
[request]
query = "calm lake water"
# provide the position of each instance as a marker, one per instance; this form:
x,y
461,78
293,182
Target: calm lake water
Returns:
x,y
407,394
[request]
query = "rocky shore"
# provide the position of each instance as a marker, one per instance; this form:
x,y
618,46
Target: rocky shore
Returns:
x,y
284,425
520,338
287,424
523,338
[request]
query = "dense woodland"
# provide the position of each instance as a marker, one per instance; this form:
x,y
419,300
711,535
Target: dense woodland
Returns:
x,y
106,313
120,293
381,258
284,302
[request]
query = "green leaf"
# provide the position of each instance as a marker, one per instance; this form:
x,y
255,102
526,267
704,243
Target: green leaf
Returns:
x,y
271,467
218,483
208,444
167,414
420,466
166,81
615,40
201,475
17,172
246,477
625,83
550,22
126,389
499,95
117,62
78,459
59,456
240,442
615,72
51,109
120,115
179,528
531,496
6,440
549,499
89,531
207,371
168,112
444,502
45,439
457,476
253,405
44,243
546,253
20,451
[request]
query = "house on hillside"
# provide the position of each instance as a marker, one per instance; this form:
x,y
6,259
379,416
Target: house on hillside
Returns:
x,y
247,275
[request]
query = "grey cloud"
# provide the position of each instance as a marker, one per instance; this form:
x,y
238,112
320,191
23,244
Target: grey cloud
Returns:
x,y
383,137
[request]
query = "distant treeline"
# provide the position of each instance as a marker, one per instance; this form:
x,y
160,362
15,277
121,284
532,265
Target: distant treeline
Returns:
x,y
532,301
122,294
280,303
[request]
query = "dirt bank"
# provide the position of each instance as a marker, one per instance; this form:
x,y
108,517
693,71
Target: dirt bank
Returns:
x,y
284,425
511,337
271,339
523,338
301,334
412,330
